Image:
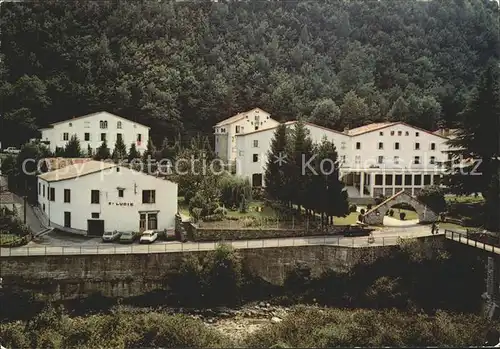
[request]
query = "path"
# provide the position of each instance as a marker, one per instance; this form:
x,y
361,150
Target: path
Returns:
x,y
382,238
394,222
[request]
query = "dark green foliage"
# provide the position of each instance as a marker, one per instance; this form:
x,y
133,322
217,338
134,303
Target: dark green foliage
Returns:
x,y
90,153
353,208
133,153
275,177
72,148
234,190
228,57
102,153
402,215
433,196
478,139
120,151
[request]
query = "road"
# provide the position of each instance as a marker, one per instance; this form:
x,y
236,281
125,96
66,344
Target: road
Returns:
x,y
92,246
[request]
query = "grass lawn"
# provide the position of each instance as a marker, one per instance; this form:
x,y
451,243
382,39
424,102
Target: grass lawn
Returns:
x,y
9,239
351,218
471,199
410,215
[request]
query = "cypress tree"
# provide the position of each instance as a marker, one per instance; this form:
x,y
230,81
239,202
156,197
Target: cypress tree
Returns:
x,y
120,151
275,176
72,149
102,152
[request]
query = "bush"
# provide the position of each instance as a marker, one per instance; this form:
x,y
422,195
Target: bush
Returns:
x,y
433,196
353,208
213,218
220,211
369,207
402,215
362,211
391,212
234,190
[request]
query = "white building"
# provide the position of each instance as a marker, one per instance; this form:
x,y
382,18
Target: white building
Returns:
x,y
93,129
97,196
226,131
376,159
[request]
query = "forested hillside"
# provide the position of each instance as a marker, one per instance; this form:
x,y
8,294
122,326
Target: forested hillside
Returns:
x,y
180,67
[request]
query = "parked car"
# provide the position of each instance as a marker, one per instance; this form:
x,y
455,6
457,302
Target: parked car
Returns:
x,y
355,230
110,236
149,236
12,150
128,237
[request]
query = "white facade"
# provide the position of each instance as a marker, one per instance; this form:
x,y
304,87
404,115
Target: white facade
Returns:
x,y
226,131
93,128
253,148
81,197
376,159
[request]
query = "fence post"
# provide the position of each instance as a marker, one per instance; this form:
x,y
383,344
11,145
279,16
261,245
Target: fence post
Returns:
x,y
383,241
338,241
45,250
293,222
352,239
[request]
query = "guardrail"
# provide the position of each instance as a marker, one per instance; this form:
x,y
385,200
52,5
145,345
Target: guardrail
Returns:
x,y
167,247
464,239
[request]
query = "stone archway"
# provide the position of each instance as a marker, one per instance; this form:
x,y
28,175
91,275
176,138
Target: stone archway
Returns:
x,y
376,215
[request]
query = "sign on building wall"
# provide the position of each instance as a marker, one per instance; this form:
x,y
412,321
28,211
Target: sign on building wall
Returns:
x,y
121,203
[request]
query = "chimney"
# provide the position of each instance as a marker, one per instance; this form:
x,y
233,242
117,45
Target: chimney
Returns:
x,y
346,129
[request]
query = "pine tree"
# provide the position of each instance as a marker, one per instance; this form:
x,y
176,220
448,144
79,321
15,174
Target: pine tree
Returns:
x,y
133,153
275,176
149,152
120,151
300,151
102,152
72,149
478,139
167,152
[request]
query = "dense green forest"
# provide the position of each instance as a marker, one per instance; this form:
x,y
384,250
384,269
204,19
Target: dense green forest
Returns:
x,y
181,66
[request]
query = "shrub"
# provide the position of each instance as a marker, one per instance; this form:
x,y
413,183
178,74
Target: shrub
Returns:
x,y
353,208
234,190
213,218
433,196
360,217
369,207
362,211
391,212
220,211
402,215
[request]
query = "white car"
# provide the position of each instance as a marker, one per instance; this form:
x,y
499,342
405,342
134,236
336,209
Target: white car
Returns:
x,y
110,236
149,236
12,150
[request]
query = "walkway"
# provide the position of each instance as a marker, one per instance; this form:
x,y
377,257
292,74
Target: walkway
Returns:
x,y
463,239
382,238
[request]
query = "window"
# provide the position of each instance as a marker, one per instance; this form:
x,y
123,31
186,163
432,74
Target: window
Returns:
x,y
392,133
255,157
43,190
86,136
95,215
433,146
417,134
400,133
358,145
94,196
103,124
388,179
380,159
427,179
416,160
152,221
342,145
399,179
86,124
418,179
378,179
417,146
117,169
381,133
357,159
65,136
432,160
103,137
396,160
408,179
120,193
407,133
67,219
380,145
396,145
70,124
255,143
148,196
238,129
43,207
256,127
119,137
142,221
39,188
52,194
67,195
342,159
437,179
139,139
257,180
119,124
